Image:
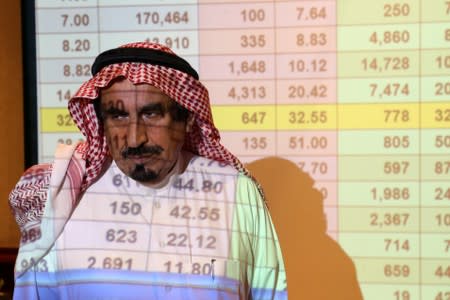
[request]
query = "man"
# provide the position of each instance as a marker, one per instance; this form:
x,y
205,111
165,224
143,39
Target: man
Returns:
x,y
151,206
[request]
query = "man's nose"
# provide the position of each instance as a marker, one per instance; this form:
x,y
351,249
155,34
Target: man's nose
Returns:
x,y
137,134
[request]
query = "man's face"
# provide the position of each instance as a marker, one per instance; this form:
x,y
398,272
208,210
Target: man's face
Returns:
x,y
143,138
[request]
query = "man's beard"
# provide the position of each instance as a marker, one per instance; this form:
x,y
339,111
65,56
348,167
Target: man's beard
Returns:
x,y
141,174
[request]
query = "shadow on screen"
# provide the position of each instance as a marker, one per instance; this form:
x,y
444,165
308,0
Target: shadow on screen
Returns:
x,y
316,266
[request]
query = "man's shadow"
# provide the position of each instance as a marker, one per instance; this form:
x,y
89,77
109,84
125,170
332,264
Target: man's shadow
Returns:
x,y
316,266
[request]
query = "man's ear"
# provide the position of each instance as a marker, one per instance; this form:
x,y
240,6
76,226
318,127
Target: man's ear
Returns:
x,y
190,122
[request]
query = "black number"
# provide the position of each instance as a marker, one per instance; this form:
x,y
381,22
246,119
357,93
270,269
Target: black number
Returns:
x,y
204,213
75,20
180,185
40,265
121,236
177,240
117,263
210,242
126,208
91,261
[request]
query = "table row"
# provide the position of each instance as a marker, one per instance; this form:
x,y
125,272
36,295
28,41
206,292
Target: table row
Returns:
x,y
403,271
295,91
263,118
412,143
402,220
332,195
280,40
370,270
387,291
419,246
371,168
241,66
398,238
213,14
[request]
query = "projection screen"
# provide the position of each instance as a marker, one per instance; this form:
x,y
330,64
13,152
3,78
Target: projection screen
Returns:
x,y
354,92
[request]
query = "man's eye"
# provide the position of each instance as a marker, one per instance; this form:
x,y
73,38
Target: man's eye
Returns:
x,y
118,116
151,114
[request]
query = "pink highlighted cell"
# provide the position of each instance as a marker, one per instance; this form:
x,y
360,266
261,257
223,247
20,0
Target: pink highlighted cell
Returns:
x,y
239,41
242,15
310,65
237,67
319,143
243,143
306,91
307,39
318,167
305,13
241,92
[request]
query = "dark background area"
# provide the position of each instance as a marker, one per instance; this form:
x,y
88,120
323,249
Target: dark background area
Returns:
x,y
7,257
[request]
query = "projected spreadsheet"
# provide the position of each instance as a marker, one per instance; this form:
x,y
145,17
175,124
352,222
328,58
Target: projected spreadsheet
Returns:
x,y
356,93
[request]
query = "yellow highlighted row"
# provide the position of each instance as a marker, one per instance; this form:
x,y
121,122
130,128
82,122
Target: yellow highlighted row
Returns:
x,y
287,117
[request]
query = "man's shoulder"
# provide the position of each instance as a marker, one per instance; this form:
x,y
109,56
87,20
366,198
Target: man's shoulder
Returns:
x,y
27,199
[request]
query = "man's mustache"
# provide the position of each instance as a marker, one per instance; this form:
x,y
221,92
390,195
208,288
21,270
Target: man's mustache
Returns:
x,y
142,150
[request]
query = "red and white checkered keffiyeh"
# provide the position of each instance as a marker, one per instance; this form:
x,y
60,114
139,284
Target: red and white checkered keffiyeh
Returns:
x,y
204,139
57,187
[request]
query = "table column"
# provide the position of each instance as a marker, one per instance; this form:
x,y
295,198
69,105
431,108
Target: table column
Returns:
x,y
306,93
378,142
435,145
237,66
172,25
67,42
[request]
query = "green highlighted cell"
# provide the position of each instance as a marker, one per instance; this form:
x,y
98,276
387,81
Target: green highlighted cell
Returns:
x,y
380,245
378,64
435,167
436,271
376,219
435,193
436,88
435,35
435,11
356,12
378,90
383,142
378,37
436,291
390,291
435,62
435,245
435,220
394,270
382,194
378,168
